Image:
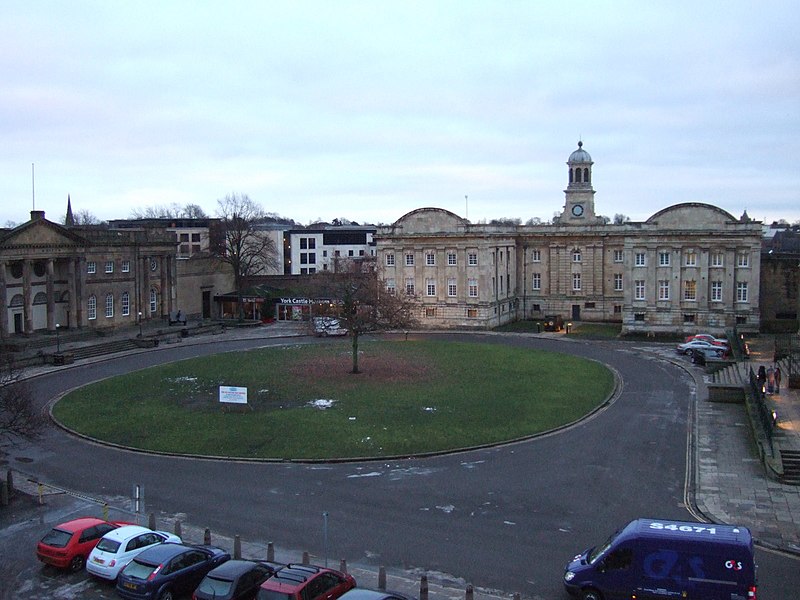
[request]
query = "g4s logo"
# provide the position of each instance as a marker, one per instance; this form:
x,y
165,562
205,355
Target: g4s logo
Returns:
x,y
733,564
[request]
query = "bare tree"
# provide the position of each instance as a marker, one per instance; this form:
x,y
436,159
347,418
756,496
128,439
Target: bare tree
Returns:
x,y
620,219
243,246
20,418
83,217
364,303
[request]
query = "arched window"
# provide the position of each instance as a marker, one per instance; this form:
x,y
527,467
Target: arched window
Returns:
x,y
578,175
16,301
586,175
40,298
571,175
109,305
153,301
91,308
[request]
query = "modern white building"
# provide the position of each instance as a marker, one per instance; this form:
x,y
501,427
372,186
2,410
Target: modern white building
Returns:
x,y
319,249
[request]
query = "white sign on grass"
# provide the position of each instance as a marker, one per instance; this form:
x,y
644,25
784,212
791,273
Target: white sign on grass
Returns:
x,y
233,395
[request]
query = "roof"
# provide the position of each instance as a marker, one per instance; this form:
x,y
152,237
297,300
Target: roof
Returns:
x,y
79,524
126,531
160,553
684,530
580,155
292,576
232,569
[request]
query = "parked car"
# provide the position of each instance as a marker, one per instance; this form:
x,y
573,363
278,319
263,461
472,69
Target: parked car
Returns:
x,y
68,545
234,580
701,355
687,347
553,323
367,594
325,326
707,337
168,571
305,582
118,547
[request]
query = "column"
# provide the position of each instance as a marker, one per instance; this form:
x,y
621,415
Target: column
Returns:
x,y
51,301
3,301
72,316
27,306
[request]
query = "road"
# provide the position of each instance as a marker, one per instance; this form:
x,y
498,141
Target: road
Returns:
x,y
506,518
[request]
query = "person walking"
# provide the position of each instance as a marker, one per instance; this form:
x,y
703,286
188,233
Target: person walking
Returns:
x,y
777,380
770,380
762,378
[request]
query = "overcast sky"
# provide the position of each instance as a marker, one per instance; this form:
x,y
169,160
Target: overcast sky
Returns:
x,y
368,110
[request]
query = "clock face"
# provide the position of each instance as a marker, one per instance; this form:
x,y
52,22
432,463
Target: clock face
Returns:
x,y
577,209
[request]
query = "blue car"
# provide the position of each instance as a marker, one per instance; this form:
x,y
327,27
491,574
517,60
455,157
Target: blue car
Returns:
x,y
167,571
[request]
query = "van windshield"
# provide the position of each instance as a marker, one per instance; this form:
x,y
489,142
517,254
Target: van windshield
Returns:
x,y
600,550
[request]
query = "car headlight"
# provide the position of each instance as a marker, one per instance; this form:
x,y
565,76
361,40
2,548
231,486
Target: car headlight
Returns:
x,y
569,576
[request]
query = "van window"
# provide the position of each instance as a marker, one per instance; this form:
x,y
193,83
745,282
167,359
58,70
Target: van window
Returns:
x,y
619,559
598,551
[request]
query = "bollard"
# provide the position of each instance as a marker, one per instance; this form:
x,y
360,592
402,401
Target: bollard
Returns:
x,y
3,493
382,579
151,521
423,587
40,490
305,559
178,529
271,552
207,536
343,566
470,594
10,482
237,547
105,512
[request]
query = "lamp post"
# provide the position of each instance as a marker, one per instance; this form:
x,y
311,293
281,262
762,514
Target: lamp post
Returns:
x,y
140,323
58,339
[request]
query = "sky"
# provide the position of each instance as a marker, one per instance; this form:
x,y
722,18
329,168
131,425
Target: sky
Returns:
x,y
368,110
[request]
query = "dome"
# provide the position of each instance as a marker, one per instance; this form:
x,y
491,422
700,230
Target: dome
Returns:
x,y
580,155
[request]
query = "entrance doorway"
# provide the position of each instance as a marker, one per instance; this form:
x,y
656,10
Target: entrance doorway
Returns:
x,y
576,312
206,304
18,326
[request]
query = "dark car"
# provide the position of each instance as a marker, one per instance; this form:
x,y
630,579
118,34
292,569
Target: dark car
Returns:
x,y
234,580
167,571
367,594
553,323
305,582
67,546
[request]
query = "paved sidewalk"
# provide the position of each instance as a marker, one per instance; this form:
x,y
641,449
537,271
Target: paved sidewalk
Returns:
x,y
731,483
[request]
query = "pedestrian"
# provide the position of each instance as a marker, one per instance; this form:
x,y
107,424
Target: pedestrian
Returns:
x,y
770,380
778,380
762,378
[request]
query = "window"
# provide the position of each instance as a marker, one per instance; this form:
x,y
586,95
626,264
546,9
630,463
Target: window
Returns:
x,y
391,288
576,282
472,259
312,258
472,313
409,260
691,258
663,259
361,253
536,280
663,289
91,307
717,259
640,259
126,304
126,266
430,259
617,282
390,260
109,266
304,258
638,316
109,305
153,301
303,243
349,253
451,259
716,291
690,290
741,291
410,286
618,309
638,289
617,256
430,312
430,287
472,285
312,243
304,271
742,259
91,267
576,255
451,286
689,318
536,255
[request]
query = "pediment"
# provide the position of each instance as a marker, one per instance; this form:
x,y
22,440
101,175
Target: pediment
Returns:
x,y
41,233
431,220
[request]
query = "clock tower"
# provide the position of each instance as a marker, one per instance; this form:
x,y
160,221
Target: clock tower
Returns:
x,y
579,205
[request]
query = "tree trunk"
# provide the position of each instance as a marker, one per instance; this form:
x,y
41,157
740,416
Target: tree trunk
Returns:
x,y
355,353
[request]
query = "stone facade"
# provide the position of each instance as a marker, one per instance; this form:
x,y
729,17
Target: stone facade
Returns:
x,y
689,267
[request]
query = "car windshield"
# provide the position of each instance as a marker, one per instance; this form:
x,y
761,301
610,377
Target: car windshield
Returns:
x,y
139,570
215,587
272,595
107,545
598,551
58,538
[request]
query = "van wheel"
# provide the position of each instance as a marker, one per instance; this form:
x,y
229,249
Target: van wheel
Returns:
x,y
165,595
591,595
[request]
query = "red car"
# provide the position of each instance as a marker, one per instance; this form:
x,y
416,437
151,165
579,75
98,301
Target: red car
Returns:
x,y
305,582
67,546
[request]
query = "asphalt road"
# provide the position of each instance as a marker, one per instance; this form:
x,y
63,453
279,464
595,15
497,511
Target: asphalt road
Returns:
x,y
506,518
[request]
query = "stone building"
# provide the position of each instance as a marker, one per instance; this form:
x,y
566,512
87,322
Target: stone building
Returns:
x,y
689,267
83,276
780,280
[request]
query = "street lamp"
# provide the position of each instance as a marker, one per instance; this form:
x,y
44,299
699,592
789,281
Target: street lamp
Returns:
x,y
569,326
140,323
58,340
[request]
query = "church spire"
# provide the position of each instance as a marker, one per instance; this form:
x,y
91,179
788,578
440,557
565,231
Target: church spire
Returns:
x,y
69,221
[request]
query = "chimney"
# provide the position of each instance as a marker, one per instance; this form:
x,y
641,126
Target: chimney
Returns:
x,y
37,215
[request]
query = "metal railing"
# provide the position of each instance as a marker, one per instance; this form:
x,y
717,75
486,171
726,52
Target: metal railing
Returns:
x,y
757,395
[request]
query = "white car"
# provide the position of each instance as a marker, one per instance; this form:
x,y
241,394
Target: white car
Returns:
x,y
325,326
118,547
689,347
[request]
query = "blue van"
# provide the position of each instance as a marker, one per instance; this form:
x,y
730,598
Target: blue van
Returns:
x,y
650,559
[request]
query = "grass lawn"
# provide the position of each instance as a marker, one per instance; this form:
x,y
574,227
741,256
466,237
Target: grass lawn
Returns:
x,y
412,397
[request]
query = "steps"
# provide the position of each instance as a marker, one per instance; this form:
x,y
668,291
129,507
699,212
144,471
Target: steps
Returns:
x,y
791,467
